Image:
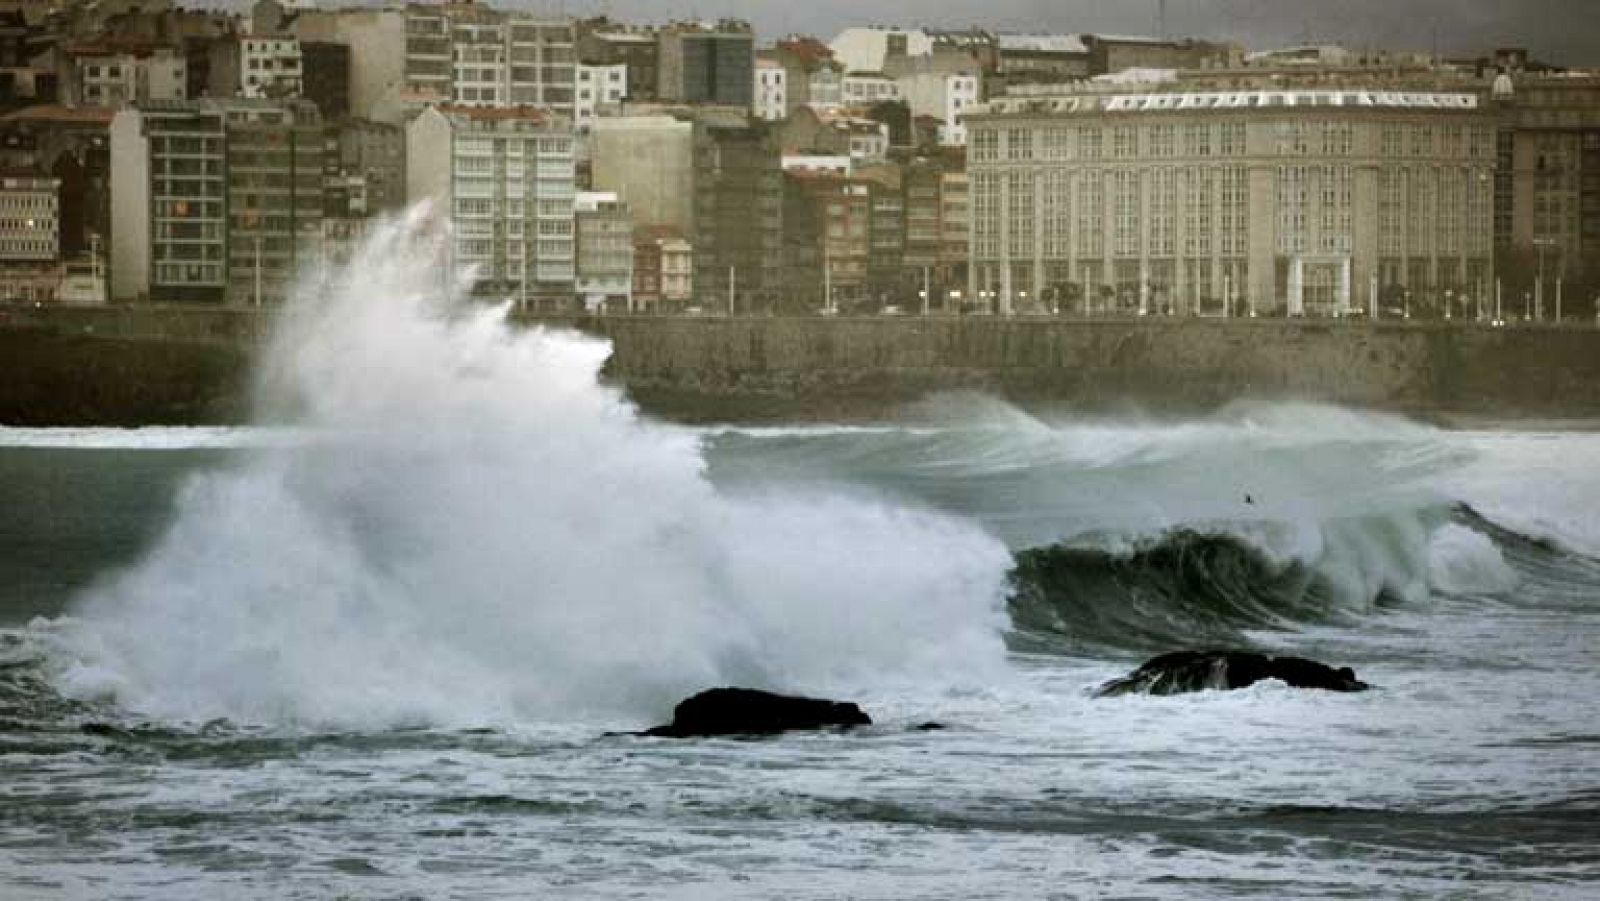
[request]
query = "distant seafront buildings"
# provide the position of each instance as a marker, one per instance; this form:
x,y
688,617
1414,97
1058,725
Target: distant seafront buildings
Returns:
x,y
155,154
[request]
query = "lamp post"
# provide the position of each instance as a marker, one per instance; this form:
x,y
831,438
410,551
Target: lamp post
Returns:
x,y
1538,286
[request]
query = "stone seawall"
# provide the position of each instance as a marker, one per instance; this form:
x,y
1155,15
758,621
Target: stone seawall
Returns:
x,y
813,368
126,366
56,379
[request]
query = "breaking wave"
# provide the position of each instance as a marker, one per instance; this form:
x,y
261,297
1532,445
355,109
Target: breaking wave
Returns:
x,y
483,532
1192,588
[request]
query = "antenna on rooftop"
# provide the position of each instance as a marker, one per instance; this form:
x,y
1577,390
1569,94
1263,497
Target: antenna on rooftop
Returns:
x,y
1161,19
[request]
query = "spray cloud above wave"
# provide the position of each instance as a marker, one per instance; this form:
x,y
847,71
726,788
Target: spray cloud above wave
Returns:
x,y
482,532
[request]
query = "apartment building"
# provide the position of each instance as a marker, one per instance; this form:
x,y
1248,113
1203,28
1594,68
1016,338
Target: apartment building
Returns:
x,y
1547,188
505,179
471,55
599,87
663,270
276,160
605,251
115,74
1297,201
771,90
711,64
169,224
269,67
30,224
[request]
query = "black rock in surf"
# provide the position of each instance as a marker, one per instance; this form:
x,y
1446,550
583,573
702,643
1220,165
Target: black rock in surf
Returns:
x,y
745,711
1186,671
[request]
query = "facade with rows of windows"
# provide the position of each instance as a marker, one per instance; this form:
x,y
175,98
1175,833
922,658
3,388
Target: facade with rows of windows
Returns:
x,y
474,55
506,179
1310,203
169,224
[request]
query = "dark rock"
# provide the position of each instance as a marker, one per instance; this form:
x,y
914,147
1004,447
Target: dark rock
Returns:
x,y
744,711
1186,671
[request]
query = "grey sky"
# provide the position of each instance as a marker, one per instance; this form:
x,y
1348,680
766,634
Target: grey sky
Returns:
x,y
1566,31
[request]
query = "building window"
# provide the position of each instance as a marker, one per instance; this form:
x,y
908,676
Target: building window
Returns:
x,y
1338,138
1091,214
1124,142
1019,144
1089,143
985,144
1232,139
1422,140
1163,142
1125,209
1057,144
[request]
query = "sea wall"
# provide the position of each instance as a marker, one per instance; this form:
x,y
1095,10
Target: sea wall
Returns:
x,y
853,368
50,378
129,366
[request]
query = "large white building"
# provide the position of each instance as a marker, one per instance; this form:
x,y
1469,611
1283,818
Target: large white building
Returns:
x,y
867,49
771,97
863,89
1297,202
505,178
599,88
946,96
114,76
269,67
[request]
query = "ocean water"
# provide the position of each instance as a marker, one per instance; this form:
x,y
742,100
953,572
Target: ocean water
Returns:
x,y
371,648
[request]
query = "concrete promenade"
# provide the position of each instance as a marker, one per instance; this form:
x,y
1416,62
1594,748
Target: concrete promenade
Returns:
x,y
812,368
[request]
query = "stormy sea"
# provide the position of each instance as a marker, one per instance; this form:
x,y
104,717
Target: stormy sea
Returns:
x,y
371,647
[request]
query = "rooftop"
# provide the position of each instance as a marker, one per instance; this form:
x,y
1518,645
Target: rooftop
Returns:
x,y
1044,43
1230,100
55,113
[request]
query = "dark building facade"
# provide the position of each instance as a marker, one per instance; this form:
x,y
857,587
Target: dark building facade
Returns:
x,y
738,212
325,68
708,66
275,163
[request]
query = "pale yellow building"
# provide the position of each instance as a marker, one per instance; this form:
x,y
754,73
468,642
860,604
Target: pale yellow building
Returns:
x,y
1166,199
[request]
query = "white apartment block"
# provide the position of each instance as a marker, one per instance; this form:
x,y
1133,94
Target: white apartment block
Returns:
x,y
863,89
30,223
865,49
945,96
960,95
114,79
598,87
771,91
269,67
479,74
826,87
505,178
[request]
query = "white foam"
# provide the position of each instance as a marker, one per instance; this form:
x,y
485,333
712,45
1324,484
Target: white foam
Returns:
x,y
488,535
148,438
1464,561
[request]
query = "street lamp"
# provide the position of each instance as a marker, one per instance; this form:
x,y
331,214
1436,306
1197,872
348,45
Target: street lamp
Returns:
x,y
1538,288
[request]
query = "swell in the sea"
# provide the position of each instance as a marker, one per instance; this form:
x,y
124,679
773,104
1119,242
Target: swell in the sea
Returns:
x,y
1190,587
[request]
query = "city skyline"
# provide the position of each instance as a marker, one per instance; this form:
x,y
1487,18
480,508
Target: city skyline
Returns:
x,y
1454,27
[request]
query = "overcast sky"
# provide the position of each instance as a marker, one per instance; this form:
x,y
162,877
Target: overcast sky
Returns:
x,y
1564,31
